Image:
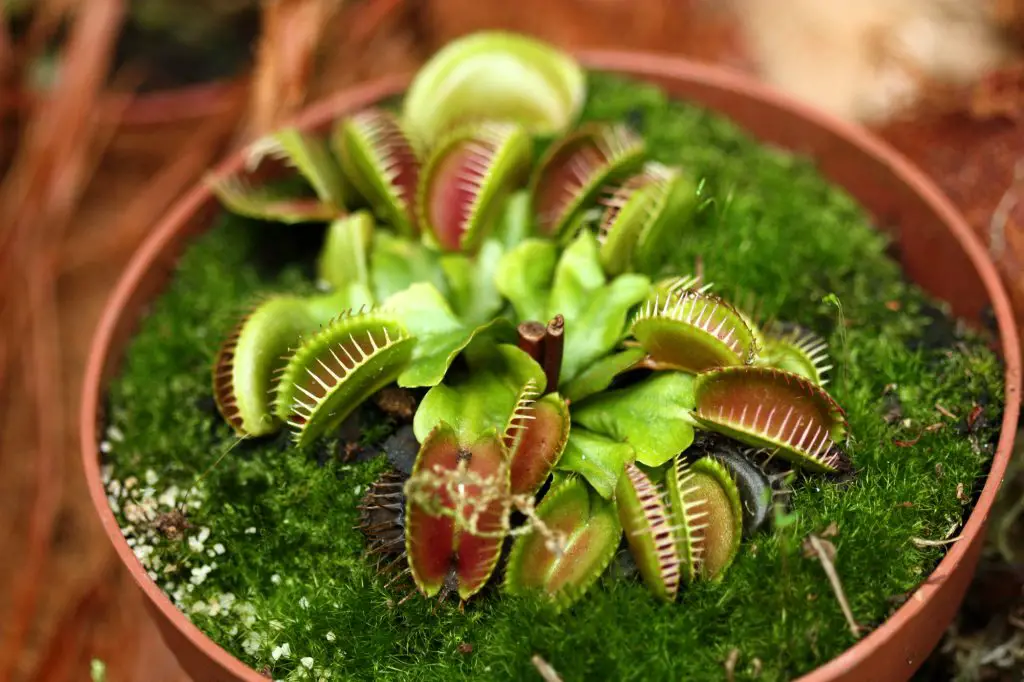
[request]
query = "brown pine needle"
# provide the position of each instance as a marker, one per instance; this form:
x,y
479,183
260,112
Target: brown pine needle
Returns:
x,y
547,673
817,546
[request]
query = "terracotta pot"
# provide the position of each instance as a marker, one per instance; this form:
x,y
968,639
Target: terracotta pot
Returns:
x,y
934,241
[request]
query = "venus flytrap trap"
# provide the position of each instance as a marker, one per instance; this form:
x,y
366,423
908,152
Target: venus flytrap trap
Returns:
x,y
495,76
316,166
467,179
575,168
382,163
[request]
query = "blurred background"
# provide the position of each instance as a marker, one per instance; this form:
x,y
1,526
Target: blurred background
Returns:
x,y
111,109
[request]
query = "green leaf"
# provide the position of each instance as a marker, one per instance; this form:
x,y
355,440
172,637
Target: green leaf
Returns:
x,y
599,375
598,459
440,334
343,257
483,397
474,295
524,277
577,275
397,263
594,309
516,222
599,326
627,415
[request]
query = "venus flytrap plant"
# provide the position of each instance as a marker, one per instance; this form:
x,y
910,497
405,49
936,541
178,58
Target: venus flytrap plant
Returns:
x,y
650,531
774,409
612,378
794,349
256,351
691,331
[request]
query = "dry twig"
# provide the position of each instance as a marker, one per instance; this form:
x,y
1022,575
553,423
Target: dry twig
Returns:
x,y
825,552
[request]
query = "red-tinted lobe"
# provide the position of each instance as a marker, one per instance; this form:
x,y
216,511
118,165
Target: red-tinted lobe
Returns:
x,y
539,444
436,544
453,190
478,554
406,167
778,407
560,181
430,539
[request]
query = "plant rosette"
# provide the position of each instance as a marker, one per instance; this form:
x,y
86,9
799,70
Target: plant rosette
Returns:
x,y
536,405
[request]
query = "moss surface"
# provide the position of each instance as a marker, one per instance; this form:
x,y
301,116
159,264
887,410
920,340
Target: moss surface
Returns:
x,y
273,570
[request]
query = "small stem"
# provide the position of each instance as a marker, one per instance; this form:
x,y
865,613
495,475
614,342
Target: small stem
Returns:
x,y
531,339
553,346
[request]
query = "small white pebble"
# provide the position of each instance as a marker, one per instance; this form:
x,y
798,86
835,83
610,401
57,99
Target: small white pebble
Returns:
x,y
152,575
169,497
330,636
115,434
130,482
276,579
105,447
218,548
194,544
304,603
210,553
251,530
106,471
204,533
251,644
282,651
358,489
308,662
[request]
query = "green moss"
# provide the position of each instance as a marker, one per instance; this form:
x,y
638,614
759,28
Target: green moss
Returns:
x,y
279,525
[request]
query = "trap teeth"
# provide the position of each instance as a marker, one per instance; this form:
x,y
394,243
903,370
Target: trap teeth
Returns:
x,y
247,366
575,169
337,369
536,436
776,410
650,532
382,163
707,515
382,515
693,331
564,555
641,217
792,348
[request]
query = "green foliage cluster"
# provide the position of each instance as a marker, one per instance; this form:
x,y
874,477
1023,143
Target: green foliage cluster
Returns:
x,y
273,569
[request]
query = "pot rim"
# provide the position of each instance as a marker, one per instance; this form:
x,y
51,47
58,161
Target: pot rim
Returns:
x,y
634,64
